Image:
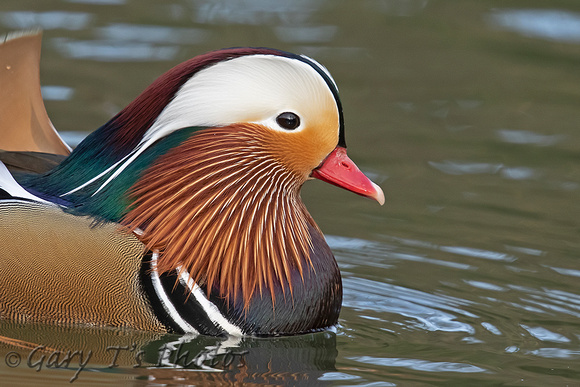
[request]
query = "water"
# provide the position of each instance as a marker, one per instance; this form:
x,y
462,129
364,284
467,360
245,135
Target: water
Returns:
x,y
466,113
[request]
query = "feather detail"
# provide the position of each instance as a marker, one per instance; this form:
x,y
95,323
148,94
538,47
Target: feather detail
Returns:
x,y
129,128
223,207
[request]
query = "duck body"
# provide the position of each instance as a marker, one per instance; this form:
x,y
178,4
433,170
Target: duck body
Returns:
x,y
60,268
183,212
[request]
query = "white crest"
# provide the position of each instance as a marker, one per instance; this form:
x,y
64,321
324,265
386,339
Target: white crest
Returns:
x,y
247,89
253,88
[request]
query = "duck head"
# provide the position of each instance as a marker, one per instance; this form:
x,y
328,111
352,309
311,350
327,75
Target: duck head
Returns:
x,y
206,166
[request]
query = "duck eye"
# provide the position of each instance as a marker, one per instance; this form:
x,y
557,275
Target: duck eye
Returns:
x,y
288,120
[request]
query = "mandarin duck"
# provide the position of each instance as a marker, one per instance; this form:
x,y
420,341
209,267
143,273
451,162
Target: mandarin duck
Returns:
x,y
183,212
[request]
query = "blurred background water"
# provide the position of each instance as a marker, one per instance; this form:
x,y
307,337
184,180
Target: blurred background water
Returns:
x,y
466,113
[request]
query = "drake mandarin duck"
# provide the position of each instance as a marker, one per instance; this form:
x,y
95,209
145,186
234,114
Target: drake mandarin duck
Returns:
x,y
183,212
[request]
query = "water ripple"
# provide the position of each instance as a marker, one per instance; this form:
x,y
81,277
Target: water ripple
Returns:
x,y
465,168
99,2
419,365
518,173
397,7
152,34
478,253
491,328
550,24
525,250
544,334
551,301
350,250
470,168
555,353
527,137
113,51
431,312
255,12
485,286
561,270
56,93
338,376
319,34
50,20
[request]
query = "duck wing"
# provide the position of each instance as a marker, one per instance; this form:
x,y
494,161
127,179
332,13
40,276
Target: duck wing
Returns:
x,y
57,267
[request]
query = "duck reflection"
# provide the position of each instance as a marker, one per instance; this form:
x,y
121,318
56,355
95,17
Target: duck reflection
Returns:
x,y
167,358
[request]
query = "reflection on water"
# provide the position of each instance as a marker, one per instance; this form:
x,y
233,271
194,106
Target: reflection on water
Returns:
x,y
527,137
467,276
130,42
423,311
461,168
46,20
468,168
545,335
477,253
481,308
152,34
99,2
397,7
255,12
549,24
110,51
319,34
56,93
419,365
71,354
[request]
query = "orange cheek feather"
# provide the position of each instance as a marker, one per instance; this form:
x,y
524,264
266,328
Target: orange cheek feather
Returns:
x,y
303,151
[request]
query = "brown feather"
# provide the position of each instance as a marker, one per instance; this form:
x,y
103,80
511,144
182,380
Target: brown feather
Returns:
x,y
24,123
225,207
